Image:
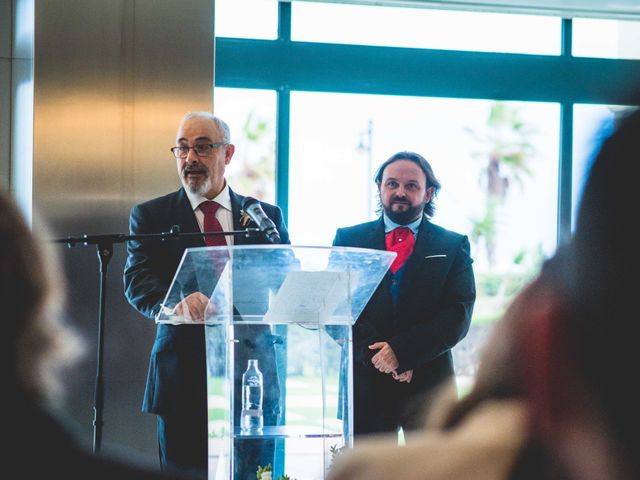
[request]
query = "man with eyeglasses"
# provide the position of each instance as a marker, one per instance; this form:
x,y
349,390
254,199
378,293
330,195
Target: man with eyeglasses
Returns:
x,y
176,385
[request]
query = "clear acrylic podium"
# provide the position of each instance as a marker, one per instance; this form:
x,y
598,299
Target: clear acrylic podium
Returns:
x,y
290,308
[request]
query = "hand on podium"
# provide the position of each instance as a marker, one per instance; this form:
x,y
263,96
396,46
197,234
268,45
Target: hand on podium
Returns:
x,y
195,307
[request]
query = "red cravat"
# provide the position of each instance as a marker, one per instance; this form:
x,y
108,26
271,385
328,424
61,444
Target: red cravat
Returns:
x,y
401,241
211,224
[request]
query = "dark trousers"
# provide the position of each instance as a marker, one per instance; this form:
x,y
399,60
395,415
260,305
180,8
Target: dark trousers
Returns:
x,y
249,455
182,442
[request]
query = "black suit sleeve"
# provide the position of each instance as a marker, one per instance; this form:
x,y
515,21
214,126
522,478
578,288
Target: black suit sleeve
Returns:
x,y
436,335
145,282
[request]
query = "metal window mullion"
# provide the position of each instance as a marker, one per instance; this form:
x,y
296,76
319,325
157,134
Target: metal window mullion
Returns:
x,y
565,172
282,150
284,21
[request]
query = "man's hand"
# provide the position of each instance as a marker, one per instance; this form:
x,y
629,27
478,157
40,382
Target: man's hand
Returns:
x,y
385,360
404,376
194,307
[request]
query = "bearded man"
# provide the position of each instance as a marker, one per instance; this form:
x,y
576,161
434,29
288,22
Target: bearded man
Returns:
x,y
402,341
176,388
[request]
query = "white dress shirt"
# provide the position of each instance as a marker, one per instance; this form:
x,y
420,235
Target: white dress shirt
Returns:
x,y
223,214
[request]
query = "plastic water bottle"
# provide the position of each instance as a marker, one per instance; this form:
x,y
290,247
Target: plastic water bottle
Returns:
x,y
251,418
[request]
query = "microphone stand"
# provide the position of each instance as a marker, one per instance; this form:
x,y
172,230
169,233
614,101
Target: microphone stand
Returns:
x,y
104,246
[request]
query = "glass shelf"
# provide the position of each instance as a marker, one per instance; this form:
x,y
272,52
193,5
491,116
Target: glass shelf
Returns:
x,y
287,431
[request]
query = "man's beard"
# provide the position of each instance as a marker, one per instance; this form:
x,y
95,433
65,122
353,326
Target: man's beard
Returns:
x,y
196,186
404,217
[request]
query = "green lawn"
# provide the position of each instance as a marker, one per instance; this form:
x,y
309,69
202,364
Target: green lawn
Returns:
x,y
304,403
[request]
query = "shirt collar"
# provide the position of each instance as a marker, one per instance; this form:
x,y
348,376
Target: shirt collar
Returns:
x,y
390,224
223,198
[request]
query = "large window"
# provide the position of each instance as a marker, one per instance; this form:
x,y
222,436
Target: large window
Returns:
x,y
424,28
333,159
353,84
512,227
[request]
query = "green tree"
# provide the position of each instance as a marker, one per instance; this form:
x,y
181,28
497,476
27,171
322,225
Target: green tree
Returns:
x,y
506,151
254,160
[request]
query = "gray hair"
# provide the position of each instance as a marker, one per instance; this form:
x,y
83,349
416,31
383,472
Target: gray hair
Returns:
x,y
221,124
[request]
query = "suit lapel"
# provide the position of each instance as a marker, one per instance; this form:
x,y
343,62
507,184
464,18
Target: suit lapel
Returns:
x,y
415,264
375,237
236,208
184,216
421,247
416,278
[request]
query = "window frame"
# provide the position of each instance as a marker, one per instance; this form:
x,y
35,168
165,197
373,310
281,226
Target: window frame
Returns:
x,y
284,65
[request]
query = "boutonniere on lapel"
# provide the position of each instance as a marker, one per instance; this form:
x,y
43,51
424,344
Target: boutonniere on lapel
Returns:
x,y
245,219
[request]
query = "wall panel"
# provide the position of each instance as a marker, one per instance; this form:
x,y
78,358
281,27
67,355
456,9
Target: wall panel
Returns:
x,y
111,81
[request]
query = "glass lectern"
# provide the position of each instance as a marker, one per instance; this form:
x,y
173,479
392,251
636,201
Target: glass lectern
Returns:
x,y
286,312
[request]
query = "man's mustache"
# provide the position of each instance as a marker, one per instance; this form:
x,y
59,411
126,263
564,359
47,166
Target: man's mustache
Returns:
x,y
194,169
400,200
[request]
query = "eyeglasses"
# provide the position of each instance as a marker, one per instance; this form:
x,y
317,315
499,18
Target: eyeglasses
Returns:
x,y
201,149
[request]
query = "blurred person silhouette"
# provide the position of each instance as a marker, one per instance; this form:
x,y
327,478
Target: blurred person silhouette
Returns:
x,y
554,396
37,347
482,436
579,352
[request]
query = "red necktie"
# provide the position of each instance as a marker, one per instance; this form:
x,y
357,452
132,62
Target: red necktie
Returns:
x,y
211,224
401,241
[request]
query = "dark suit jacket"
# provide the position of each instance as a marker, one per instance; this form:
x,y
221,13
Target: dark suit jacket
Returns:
x,y
432,314
177,370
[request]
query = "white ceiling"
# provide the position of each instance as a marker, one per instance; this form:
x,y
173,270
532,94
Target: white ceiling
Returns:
x,y
618,9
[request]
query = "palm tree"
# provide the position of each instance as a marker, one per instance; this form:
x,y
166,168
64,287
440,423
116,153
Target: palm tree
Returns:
x,y
507,153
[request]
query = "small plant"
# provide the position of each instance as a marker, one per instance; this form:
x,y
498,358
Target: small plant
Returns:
x,y
335,451
266,473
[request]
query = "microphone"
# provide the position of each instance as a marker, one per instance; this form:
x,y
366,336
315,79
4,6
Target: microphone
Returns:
x,y
266,225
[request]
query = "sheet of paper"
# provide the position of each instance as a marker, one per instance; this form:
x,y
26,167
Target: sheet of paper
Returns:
x,y
308,297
